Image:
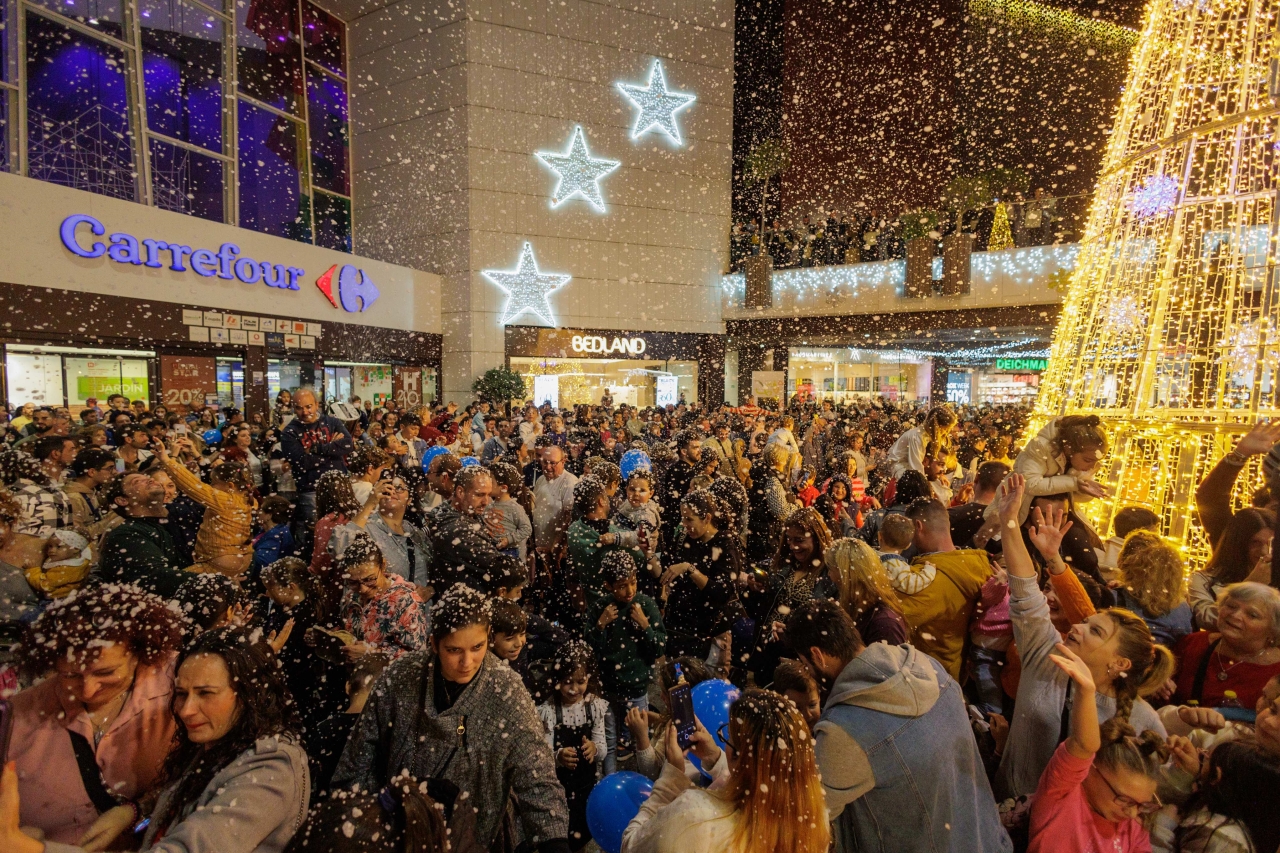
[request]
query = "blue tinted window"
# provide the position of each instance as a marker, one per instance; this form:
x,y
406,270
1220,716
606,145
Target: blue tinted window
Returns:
x,y
325,39
333,222
272,179
7,98
77,111
106,16
186,181
327,121
182,63
269,53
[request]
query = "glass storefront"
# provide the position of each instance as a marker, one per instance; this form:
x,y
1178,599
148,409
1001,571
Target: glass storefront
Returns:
x,y
636,382
846,374
67,376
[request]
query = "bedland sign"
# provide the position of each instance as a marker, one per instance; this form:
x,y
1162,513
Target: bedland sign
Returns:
x,y
345,286
1022,363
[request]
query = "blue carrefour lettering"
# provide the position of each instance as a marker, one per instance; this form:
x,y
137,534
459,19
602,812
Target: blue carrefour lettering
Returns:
x,y
68,232
356,292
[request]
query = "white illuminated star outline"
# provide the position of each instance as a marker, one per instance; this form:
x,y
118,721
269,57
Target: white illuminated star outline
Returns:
x,y
658,106
579,172
527,288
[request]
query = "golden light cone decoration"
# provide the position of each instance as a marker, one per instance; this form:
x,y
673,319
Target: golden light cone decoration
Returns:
x,y
1169,328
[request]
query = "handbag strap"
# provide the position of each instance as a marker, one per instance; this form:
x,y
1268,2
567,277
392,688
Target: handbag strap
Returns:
x,y
1197,686
91,775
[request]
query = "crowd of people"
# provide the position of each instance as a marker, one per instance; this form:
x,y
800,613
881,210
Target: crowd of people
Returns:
x,y
831,237
356,628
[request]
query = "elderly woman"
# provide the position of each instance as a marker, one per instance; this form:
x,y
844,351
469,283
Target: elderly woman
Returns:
x,y
101,722
1240,656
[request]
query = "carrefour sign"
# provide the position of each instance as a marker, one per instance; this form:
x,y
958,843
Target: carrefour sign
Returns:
x,y
1022,363
605,346
343,285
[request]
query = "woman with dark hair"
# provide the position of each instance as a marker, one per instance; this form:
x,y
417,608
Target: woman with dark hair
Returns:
x,y
701,568
453,712
797,566
381,610
109,652
282,412
1235,808
236,779
837,506
1242,553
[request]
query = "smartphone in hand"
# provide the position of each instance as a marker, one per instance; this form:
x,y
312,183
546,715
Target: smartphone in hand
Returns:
x,y
682,713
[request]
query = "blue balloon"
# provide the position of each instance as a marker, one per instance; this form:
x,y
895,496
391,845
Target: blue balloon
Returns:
x,y
212,436
431,453
613,802
632,461
711,701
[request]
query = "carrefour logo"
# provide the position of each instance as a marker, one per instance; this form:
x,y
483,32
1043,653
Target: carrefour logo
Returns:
x,y
352,290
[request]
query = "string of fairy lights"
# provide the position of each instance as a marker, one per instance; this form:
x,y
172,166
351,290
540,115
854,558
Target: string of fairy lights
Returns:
x,y
1166,328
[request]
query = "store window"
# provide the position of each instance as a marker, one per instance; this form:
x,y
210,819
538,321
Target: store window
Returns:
x,y
66,376
171,142
231,383
845,374
636,382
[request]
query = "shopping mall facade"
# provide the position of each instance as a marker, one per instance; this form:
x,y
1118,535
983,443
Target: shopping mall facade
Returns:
x,y
385,198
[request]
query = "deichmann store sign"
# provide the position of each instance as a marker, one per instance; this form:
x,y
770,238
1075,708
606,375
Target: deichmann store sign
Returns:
x,y
344,285
1022,364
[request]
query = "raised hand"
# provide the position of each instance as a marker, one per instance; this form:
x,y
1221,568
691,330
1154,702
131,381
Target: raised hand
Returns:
x,y
1047,529
1071,663
1009,498
1260,439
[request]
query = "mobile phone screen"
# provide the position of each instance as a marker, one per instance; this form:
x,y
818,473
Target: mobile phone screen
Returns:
x,y
6,730
682,714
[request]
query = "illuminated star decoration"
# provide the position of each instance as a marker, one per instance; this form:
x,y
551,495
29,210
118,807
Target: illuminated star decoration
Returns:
x,y
658,106
579,172
527,288
1156,197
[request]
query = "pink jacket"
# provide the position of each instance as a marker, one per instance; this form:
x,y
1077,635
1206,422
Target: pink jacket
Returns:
x,y
130,754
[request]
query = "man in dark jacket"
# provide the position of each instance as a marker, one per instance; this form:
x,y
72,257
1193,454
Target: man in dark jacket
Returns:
x,y
141,551
312,443
888,712
675,483
463,551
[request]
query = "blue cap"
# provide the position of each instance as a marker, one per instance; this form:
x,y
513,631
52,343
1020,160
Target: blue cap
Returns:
x,y
632,461
431,453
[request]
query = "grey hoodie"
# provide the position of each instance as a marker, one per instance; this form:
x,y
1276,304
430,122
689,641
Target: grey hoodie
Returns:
x,y
897,680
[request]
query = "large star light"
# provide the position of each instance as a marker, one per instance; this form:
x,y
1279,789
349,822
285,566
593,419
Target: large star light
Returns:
x,y
658,106
579,172
527,288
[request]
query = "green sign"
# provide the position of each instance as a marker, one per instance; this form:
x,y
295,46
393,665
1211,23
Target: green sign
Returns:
x,y
1022,363
102,387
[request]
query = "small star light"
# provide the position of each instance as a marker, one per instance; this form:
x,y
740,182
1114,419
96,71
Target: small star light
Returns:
x,y
658,106
1124,315
579,172
527,288
1157,196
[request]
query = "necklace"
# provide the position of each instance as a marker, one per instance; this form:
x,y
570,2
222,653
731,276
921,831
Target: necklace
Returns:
x,y
1223,671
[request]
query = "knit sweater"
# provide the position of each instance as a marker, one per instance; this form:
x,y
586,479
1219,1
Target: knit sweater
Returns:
x,y
228,518
489,743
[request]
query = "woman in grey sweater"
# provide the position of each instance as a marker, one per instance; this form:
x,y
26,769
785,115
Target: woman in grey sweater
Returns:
x,y
1125,661
237,778
453,712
